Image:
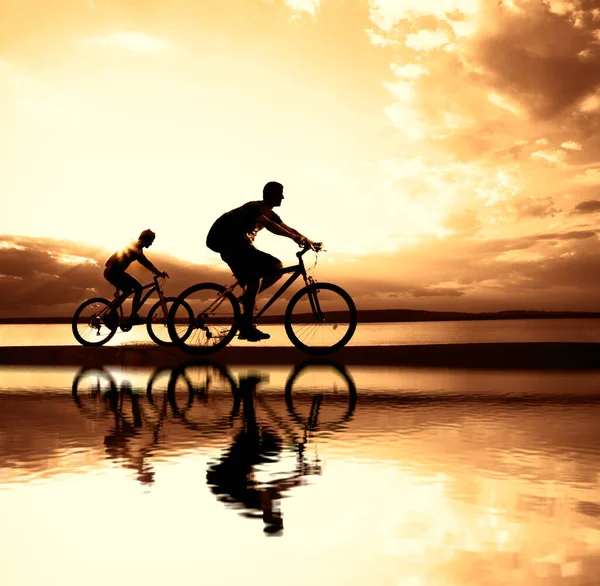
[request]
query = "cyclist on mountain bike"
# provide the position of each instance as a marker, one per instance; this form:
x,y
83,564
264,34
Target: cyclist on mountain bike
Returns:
x,y
119,262
232,235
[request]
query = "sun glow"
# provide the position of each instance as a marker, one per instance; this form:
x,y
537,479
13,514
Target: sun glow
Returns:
x,y
390,124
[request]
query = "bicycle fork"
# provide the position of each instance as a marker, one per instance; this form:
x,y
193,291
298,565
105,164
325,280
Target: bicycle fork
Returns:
x,y
313,299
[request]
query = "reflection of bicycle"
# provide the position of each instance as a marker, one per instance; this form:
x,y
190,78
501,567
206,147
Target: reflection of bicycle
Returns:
x,y
320,318
96,320
320,385
232,477
194,392
205,397
319,393
99,397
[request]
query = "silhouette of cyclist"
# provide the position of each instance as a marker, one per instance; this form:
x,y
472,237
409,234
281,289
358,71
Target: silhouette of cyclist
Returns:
x,y
119,262
232,235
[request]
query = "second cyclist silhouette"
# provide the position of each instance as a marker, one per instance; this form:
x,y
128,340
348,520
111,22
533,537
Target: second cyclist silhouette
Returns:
x,y
117,265
232,236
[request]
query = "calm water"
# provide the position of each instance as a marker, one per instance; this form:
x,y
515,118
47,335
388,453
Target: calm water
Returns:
x,y
319,475
373,334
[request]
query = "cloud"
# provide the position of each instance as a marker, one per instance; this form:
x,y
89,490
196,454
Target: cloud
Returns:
x,y
52,277
535,207
535,56
550,270
130,40
571,145
310,6
587,207
437,292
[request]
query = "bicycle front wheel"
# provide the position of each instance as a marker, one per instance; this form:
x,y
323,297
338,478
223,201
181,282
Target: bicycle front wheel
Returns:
x,y
157,325
94,322
320,318
320,394
204,318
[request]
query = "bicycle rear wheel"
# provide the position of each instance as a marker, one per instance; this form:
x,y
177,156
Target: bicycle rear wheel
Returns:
x,y
204,318
90,389
320,318
157,324
89,323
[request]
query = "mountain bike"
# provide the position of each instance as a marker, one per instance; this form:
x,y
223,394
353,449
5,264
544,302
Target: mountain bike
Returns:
x,y
96,320
319,318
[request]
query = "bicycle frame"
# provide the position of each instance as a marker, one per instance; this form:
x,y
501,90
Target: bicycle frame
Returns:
x,y
117,304
295,270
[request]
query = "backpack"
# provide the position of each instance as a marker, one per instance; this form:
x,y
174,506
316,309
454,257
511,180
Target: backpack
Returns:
x,y
218,233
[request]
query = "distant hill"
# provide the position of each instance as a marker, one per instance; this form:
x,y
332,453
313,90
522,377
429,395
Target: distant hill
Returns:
x,y
383,315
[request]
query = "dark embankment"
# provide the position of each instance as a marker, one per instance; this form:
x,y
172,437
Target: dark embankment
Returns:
x,y
528,355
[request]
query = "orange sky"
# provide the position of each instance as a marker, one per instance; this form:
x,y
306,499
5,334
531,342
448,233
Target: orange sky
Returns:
x,y
446,152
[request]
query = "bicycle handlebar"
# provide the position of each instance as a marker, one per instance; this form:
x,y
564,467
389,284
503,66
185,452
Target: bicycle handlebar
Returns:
x,y
318,247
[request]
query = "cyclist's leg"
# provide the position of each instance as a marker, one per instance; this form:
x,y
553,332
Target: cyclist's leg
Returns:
x,y
126,283
252,284
242,262
137,288
114,278
268,268
237,259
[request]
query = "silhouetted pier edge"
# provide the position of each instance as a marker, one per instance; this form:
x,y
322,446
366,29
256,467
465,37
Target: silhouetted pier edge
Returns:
x,y
522,355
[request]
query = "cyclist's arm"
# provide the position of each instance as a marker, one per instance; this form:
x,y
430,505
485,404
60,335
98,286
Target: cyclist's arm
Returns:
x,y
294,232
278,229
146,263
300,238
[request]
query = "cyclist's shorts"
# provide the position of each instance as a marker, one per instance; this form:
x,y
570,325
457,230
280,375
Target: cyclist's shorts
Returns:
x,y
247,263
122,281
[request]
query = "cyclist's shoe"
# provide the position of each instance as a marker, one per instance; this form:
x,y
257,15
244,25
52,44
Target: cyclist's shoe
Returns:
x,y
136,320
253,335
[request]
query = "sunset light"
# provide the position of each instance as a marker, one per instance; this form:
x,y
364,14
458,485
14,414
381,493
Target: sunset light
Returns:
x,y
407,134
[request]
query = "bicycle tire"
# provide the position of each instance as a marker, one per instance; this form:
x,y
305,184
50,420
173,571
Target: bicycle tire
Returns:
x,y
89,400
154,327
94,322
209,332
298,371
308,325
153,382
197,378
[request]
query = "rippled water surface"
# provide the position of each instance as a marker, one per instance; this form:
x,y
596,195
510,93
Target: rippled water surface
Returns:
x,y
314,474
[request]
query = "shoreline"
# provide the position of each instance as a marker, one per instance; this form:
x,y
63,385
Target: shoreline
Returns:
x,y
502,355
367,317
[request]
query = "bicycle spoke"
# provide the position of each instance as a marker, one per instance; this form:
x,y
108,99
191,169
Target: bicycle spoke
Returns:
x,y
209,322
320,318
320,395
90,389
94,322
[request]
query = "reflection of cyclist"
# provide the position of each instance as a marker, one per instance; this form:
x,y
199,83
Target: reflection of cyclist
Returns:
x,y
232,235
119,262
232,476
117,441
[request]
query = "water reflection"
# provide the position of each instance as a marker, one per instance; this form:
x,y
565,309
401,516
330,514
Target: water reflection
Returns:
x,y
320,395
429,477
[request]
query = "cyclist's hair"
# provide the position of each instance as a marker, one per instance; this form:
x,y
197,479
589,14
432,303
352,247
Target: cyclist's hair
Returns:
x,y
272,188
147,235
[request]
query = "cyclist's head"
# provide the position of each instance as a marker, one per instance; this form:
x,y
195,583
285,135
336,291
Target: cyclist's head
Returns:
x,y
147,237
273,193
